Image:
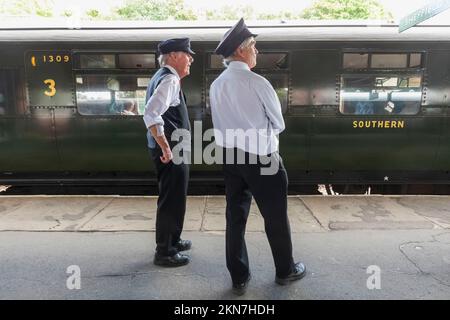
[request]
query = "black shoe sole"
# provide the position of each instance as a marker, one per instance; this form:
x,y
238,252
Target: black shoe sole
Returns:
x,y
283,282
170,265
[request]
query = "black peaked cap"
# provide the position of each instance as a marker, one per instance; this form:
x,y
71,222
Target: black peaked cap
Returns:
x,y
233,38
173,45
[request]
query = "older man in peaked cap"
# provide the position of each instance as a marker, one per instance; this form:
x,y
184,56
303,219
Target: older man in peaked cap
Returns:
x,y
242,99
166,112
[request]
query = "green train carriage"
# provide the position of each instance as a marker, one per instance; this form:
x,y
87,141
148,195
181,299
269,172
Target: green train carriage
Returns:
x,y
362,104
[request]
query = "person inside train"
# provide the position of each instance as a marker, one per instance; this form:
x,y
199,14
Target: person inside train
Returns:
x,y
130,108
166,112
364,107
243,100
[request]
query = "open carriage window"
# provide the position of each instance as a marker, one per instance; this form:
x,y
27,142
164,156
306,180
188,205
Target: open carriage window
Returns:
x,y
113,83
111,94
380,94
385,83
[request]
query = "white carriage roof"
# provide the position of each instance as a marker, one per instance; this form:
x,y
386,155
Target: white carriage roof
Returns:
x,y
213,31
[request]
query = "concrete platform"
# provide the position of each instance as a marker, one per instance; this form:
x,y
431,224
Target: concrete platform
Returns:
x,y
111,240
207,213
414,264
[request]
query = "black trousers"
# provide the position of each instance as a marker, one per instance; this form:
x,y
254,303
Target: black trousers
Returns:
x,y
270,193
172,184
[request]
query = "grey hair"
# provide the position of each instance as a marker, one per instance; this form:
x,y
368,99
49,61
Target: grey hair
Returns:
x,y
245,44
162,59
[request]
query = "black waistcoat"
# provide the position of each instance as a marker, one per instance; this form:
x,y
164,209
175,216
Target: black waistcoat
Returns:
x,y
176,117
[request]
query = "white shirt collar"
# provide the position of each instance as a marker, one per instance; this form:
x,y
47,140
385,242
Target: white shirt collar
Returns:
x,y
238,65
172,70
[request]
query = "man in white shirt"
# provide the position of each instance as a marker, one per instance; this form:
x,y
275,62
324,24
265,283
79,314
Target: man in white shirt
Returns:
x,y
243,100
166,112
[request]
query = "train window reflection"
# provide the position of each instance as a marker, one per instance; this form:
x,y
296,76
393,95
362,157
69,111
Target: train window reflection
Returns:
x,y
386,81
97,61
111,94
356,60
216,61
272,61
389,60
415,60
267,61
137,60
378,95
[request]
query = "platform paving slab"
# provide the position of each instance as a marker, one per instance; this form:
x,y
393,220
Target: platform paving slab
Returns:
x,y
433,208
300,218
207,213
139,214
49,213
215,215
365,212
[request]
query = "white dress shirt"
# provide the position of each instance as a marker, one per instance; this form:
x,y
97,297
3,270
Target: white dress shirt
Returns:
x,y
242,99
166,95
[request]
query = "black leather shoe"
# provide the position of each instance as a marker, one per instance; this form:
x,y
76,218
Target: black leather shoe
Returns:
x,y
176,260
240,288
183,245
298,273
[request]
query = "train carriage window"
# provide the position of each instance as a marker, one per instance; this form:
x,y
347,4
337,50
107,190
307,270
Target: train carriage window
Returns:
x,y
97,61
113,83
389,60
356,60
111,94
380,94
137,60
415,60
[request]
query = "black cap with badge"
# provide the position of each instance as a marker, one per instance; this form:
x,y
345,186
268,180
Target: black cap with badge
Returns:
x,y
233,39
174,45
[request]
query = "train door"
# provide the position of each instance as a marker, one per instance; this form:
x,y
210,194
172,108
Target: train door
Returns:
x,y
313,103
26,135
438,99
